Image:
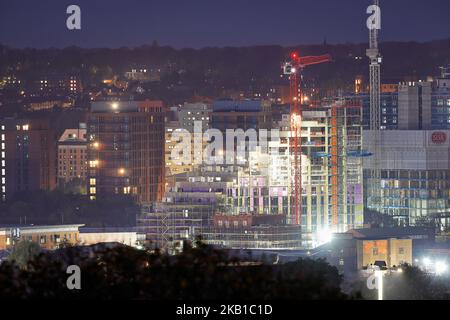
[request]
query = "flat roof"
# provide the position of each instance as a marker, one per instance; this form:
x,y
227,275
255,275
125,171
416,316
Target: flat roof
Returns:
x,y
40,228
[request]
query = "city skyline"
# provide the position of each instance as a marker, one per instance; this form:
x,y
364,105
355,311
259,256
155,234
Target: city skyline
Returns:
x,y
303,155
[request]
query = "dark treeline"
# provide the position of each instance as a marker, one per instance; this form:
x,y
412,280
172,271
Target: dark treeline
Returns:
x,y
200,273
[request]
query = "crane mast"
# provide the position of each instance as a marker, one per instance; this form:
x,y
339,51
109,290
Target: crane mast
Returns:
x,y
373,53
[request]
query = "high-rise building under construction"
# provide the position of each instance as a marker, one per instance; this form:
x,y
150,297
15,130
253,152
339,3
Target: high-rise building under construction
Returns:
x,y
331,187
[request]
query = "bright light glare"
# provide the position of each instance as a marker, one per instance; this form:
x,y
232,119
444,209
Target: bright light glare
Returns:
x,y
114,106
379,275
427,261
296,119
440,267
324,236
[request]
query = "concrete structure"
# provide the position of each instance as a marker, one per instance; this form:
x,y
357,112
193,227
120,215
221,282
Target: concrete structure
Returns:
x,y
414,175
440,101
411,105
126,149
388,108
27,156
261,231
244,114
72,156
184,117
414,102
48,237
190,113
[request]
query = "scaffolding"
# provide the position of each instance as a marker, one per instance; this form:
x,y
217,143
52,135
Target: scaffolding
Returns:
x,y
168,225
274,237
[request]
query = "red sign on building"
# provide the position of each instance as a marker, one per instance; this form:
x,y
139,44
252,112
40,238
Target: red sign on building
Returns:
x,y
439,137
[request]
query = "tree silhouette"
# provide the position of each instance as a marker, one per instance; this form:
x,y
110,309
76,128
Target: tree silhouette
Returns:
x,y
200,273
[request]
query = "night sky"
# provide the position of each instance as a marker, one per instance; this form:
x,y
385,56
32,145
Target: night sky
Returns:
x,y
201,23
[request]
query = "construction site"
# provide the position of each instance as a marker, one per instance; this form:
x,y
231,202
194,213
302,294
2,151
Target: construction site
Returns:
x,y
263,189
292,195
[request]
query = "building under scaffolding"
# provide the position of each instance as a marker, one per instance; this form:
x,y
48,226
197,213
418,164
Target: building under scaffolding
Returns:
x,y
253,232
332,191
332,198
186,211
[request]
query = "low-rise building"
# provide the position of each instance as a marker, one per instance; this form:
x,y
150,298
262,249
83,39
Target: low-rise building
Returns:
x,y
48,237
356,249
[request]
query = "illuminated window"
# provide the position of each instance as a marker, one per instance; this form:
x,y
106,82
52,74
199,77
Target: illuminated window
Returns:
x,y
92,190
93,163
92,181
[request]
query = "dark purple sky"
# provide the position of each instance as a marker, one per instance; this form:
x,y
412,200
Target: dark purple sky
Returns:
x,y
200,23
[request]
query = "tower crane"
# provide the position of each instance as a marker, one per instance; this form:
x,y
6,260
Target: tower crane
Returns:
x,y
293,69
373,53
